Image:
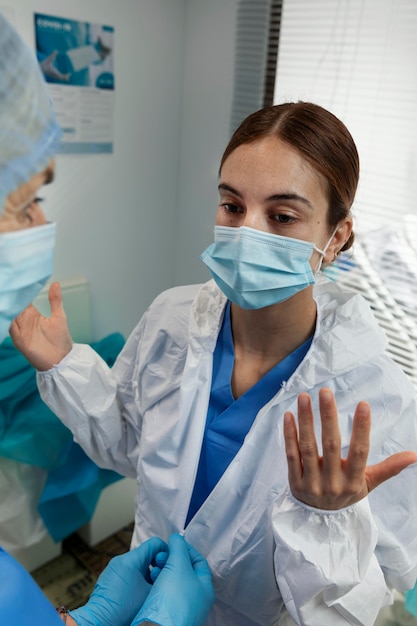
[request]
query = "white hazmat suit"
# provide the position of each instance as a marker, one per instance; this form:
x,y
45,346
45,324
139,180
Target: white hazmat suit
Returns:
x,y
267,551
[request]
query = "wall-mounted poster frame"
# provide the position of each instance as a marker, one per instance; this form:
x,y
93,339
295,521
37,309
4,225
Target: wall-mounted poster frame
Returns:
x,y
76,59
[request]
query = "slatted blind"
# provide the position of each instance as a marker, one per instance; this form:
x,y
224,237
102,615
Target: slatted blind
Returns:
x,y
272,52
358,58
257,33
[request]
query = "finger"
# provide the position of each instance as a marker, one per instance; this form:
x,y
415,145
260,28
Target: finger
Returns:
x,y
295,468
307,438
379,473
154,573
152,547
28,312
359,443
21,322
14,330
158,564
330,435
199,564
144,555
161,559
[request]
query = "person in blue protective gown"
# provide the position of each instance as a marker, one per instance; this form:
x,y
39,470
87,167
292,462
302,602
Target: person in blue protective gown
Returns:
x,y
157,583
307,520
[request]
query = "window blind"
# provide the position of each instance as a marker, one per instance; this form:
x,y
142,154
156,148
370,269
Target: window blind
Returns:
x,y
358,58
257,33
272,52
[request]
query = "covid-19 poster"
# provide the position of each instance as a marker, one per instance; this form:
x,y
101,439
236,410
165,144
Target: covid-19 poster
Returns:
x,y
76,59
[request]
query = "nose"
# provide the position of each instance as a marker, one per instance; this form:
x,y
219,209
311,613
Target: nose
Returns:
x,y
255,219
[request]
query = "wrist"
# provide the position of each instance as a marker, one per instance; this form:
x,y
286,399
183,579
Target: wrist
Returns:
x,y
66,617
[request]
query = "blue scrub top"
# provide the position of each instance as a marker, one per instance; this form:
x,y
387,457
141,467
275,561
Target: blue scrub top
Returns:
x,y
229,420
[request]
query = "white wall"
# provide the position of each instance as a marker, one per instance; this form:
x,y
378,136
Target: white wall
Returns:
x,y
116,213
206,124
134,223
360,62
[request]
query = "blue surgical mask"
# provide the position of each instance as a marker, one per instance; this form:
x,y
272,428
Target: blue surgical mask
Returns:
x,y
26,263
255,269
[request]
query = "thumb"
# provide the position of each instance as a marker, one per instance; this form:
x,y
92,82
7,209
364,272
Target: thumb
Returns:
x,y
184,555
178,556
199,563
177,545
55,299
390,467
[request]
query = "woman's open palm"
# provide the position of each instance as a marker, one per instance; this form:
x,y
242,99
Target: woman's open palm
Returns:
x,y
329,481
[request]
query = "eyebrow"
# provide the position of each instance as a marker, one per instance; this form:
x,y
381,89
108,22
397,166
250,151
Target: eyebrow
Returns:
x,y
274,197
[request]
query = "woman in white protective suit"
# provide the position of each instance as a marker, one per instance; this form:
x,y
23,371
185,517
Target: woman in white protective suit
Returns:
x,y
126,594
201,404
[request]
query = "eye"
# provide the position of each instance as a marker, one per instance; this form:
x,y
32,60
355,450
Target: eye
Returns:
x,y
283,218
35,200
231,208
31,209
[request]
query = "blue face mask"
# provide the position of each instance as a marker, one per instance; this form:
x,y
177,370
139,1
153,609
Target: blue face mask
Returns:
x,y
255,269
26,263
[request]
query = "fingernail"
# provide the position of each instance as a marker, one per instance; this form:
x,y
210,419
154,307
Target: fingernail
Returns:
x,y
326,395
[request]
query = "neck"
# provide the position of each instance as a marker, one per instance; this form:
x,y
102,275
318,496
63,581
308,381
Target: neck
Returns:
x,y
272,333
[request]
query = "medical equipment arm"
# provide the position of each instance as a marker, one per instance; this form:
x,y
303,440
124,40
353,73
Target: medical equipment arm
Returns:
x,y
121,589
183,592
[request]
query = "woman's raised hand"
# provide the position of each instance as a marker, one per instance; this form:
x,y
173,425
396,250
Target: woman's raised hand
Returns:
x,y
329,481
44,341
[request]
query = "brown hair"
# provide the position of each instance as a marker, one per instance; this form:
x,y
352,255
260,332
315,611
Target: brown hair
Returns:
x,y
320,137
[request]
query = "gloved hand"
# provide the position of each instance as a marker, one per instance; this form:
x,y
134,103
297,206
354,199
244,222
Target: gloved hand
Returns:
x,y
21,600
160,560
182,594
121,588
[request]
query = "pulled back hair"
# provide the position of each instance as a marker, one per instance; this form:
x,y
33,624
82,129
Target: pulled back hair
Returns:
x,y
321,138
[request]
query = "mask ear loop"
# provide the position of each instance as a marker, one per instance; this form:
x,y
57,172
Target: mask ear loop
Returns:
x,y
323,252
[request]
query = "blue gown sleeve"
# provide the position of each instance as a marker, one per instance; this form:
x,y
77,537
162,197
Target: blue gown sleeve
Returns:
x,y
21,600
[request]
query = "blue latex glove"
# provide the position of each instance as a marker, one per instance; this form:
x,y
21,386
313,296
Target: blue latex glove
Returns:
x,y
160,560
21,600
182,594
121,588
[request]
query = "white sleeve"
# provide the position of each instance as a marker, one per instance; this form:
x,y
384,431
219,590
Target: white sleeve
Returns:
x,y
83,392
325,564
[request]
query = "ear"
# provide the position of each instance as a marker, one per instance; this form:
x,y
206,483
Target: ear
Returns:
x,y
340,237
